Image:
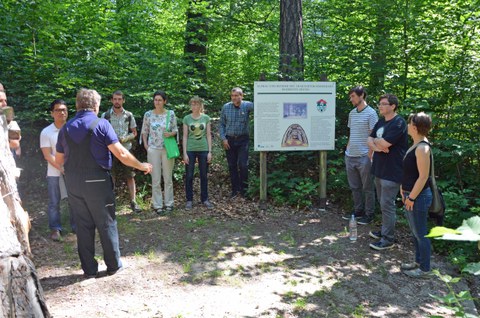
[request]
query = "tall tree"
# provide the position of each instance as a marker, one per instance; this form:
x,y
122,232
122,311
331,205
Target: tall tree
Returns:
x,y
379,53
291,40
21,294
195,49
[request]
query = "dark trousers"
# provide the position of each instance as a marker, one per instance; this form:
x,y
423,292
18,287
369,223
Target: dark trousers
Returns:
x,y
92,200
203,169
237,158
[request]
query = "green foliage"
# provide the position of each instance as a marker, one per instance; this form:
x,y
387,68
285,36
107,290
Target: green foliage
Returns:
x,y
290,184
440,231
427,53
452,300
472,268
469,231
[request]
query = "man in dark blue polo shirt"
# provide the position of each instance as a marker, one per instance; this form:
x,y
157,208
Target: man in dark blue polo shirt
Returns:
x,y
234,131
389,141
83,147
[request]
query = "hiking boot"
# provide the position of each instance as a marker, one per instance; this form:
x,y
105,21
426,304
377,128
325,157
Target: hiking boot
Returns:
x,y
188,205
418,273
380,246
90,276
409,266
169,209
159,211
364,220
113,272
56,236
208,204
135,208
375,234
348,216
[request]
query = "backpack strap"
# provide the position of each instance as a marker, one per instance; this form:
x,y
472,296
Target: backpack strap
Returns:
x,y
167,124
108,115
433,182
129,118
93,125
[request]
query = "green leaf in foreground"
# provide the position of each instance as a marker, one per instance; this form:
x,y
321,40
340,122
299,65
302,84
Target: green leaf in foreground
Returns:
x,y
472,268
440,231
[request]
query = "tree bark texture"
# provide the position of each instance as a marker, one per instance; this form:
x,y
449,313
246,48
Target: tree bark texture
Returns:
x,y
195,49
379,53
20,292
291,40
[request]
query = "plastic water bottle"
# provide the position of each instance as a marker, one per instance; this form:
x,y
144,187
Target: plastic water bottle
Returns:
x,y
352,226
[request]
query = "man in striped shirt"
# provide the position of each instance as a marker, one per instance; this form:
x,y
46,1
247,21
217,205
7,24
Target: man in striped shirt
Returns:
x,y
361,120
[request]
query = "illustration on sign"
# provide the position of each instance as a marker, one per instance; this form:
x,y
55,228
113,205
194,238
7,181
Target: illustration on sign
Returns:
x,y
295,136
294,110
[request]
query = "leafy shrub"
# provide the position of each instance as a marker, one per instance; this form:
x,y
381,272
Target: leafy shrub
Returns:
x,y
292,178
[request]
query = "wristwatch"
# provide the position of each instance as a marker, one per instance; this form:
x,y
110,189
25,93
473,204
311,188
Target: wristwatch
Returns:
x,y
408,198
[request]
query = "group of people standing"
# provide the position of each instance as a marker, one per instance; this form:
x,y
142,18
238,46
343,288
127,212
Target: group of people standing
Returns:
x,y
87,154
378,157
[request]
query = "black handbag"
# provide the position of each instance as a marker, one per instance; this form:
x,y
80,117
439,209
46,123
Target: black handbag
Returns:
x,y
437,208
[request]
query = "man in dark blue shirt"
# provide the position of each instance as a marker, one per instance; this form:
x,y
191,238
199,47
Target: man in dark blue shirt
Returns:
x,y
234,131
83,147
389,141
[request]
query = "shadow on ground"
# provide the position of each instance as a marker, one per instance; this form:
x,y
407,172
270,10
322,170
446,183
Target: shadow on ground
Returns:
x,y
234,261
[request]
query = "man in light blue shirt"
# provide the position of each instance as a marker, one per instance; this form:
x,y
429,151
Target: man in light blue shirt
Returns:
x,y
234,131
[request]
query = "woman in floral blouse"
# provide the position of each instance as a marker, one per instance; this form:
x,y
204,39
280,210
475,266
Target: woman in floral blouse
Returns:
x,y
153,132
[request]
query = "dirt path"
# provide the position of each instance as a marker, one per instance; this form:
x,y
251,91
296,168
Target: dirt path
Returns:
x,y
280,263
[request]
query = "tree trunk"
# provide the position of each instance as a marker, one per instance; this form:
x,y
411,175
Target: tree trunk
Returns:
x,y
406,55
20,292
195,49
380,47
291,40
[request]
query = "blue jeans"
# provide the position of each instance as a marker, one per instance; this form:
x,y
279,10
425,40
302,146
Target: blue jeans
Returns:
x,y
417,220
54,198
237,158
387,193
360,181
190,169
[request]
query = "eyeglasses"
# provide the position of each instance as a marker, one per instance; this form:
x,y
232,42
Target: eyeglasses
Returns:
x,y
61,110
384,104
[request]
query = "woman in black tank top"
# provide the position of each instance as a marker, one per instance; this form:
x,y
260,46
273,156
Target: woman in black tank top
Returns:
x,y
416,193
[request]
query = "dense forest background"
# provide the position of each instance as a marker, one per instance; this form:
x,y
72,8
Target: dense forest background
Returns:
x,y
426,52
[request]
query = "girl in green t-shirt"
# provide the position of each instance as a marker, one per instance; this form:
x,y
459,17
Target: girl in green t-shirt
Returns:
x,y
197,146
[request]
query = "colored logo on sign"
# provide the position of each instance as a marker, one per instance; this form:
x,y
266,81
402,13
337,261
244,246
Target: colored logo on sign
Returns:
x,y
321,105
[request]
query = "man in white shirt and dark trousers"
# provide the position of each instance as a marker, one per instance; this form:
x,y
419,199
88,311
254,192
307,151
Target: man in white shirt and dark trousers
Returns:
x,y
55,181
361,121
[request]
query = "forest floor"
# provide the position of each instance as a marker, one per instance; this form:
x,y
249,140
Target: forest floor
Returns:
x,y
236,261
233,261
